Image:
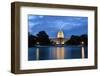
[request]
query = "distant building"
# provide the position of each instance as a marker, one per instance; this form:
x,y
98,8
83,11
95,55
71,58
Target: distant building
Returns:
x,y
60,40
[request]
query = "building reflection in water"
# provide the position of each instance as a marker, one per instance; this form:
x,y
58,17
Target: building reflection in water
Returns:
x,y
59,53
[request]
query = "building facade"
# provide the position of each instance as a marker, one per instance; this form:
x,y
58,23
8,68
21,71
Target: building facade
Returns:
x,y
60,39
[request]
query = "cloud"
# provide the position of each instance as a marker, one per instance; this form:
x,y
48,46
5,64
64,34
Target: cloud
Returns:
x,y
52,24
67,25
31,25
41,16
30,17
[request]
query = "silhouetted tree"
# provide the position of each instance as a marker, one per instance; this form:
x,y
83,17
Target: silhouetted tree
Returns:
x,y
31,40
84,38
76,40
43,38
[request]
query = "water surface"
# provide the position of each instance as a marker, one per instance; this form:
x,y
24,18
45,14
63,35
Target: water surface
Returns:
x,y
52,52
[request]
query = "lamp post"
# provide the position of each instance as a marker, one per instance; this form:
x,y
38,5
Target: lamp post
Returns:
x,y
82,43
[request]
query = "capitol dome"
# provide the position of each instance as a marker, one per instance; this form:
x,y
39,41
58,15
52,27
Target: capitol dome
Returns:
x,y
60,38
60,34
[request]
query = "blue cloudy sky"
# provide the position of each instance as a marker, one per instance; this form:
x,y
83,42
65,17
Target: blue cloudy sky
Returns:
x,y
71,25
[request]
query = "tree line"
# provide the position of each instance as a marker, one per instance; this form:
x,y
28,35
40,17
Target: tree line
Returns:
x,y
76,40
42,38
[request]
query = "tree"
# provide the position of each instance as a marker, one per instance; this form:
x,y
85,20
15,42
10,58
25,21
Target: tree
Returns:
x,y
43,38
31,40
84,38
76,40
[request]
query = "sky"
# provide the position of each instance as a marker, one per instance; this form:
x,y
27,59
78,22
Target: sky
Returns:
x,y
70,25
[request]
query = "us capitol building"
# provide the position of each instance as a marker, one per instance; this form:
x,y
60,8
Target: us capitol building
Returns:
x,y
60,40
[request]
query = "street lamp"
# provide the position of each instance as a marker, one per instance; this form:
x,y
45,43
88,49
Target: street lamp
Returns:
x,y
82,43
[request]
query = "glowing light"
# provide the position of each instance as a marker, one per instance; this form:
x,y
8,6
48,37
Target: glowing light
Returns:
x,y
83,53
82,42
37,54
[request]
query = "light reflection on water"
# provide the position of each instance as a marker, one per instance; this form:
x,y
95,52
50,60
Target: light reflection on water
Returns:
x,y
50,52
58,53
